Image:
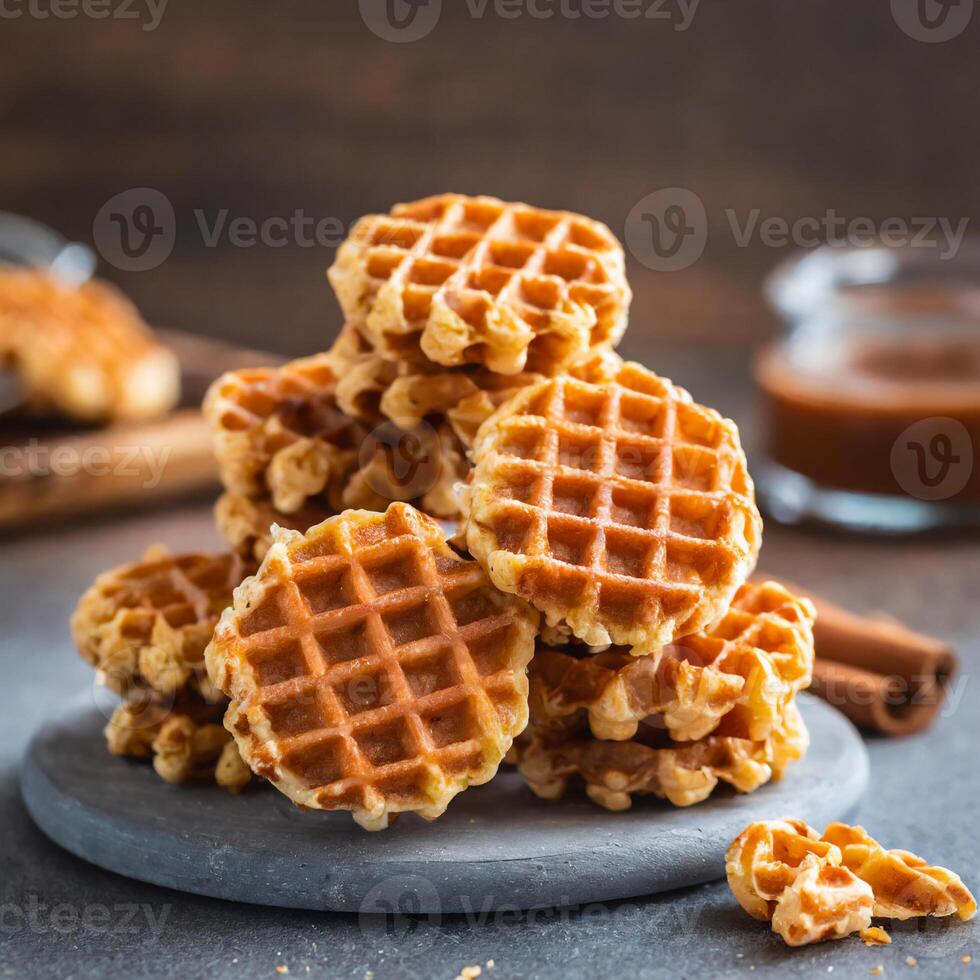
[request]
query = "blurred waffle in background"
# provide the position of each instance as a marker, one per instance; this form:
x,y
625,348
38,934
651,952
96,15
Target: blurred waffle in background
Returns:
x,y
98,411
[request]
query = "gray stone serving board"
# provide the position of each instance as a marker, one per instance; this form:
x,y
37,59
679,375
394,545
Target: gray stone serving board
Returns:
x,y
496,847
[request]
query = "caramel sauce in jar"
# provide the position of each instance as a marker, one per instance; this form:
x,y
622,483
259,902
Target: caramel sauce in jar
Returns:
x,y
885,407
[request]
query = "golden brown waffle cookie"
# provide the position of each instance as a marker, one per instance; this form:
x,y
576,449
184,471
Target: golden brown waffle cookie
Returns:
x,y
620,508
683,773
423,465
766,858
185,740
816,887
457,279
145,625
739,675
246,522
279,432
372,669
904,885
85,351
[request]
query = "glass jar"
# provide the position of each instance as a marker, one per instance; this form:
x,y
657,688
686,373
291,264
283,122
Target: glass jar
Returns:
x,y
871,397
24,241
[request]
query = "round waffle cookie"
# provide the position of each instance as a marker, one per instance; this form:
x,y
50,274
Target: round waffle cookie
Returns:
x,y
617,506
457,279
734,678
278,431
371,668
145,626
681,773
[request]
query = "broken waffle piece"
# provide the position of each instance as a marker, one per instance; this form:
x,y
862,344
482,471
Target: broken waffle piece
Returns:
x,y
279,432
682,773
455,280
904,885
736,677
618,507
371,668
781,871
765,859
825,887
83,351
185,740
145,625
824,901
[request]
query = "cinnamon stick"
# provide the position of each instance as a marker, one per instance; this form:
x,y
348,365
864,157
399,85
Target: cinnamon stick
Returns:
x,y
882,675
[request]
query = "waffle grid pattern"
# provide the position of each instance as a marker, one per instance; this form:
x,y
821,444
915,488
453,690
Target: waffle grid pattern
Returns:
x,y
624,509
456,279
384,669
147,624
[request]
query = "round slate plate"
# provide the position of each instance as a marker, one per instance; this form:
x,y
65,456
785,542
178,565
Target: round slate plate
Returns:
x,y
496,847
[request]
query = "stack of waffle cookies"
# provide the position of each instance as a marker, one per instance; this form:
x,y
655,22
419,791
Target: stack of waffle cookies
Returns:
x,y
451,305
588,614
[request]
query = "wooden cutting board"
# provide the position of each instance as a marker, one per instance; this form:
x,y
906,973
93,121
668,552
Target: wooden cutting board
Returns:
x,y
51,470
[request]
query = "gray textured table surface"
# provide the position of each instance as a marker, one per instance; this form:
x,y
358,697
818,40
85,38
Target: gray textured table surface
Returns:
x,y
61,917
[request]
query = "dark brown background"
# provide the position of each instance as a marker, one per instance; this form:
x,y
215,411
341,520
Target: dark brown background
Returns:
x,y
792,107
